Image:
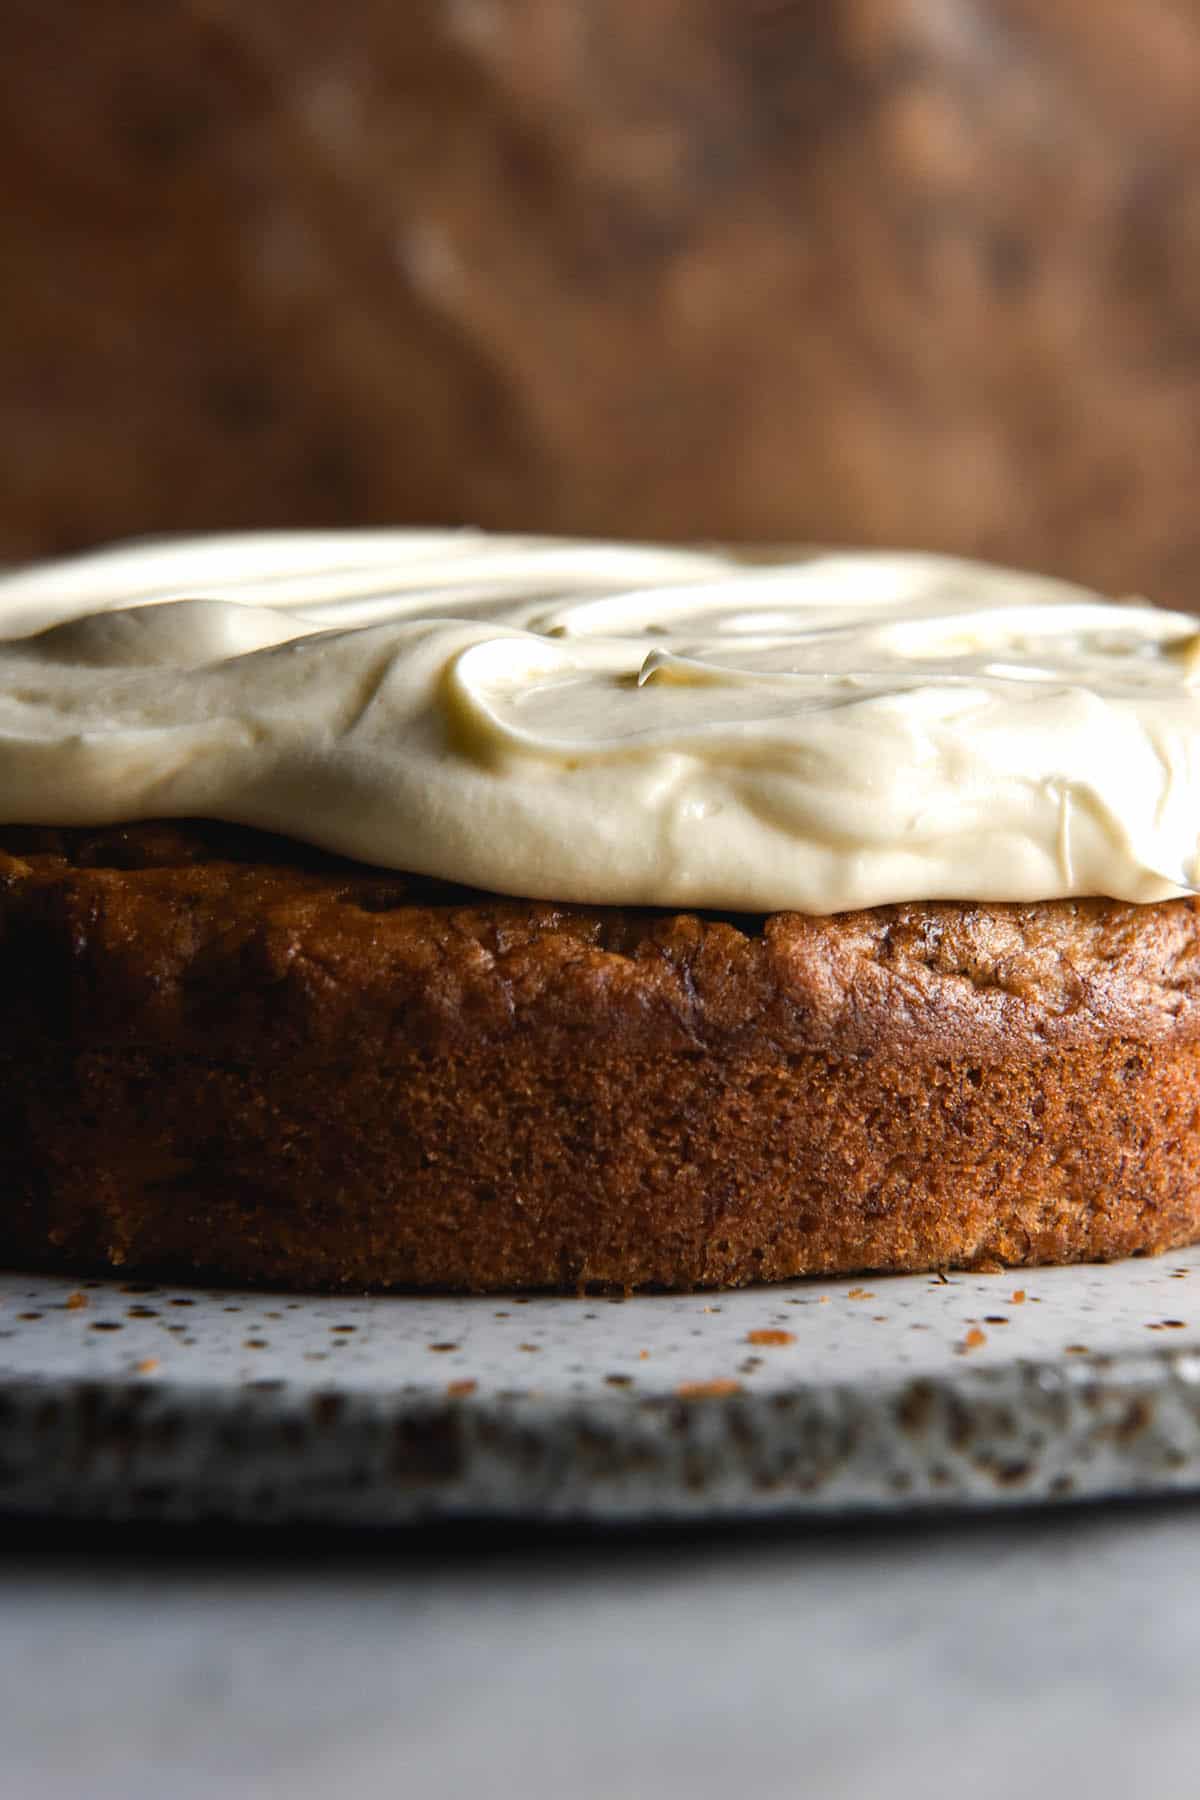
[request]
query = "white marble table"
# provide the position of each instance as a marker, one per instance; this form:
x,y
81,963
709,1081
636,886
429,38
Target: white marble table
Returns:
x,y
1034,1654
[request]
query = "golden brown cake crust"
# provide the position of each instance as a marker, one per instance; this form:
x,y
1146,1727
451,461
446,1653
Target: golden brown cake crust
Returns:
x,y
224,1054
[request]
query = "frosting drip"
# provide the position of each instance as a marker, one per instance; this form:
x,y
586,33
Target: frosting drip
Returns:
x,y
615,724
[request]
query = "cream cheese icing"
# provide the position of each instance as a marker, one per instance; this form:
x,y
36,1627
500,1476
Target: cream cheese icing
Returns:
x,y
614,723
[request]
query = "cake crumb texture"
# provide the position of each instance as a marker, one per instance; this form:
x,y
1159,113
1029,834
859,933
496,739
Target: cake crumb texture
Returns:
x,y
227,1056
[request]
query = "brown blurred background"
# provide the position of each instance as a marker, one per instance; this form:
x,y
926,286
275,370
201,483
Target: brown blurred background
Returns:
x,y
922,272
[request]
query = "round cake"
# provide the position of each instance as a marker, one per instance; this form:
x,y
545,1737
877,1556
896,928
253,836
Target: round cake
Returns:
x,y
441,911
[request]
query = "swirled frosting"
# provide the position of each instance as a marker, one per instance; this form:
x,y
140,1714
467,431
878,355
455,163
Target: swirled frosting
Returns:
x,y
615,724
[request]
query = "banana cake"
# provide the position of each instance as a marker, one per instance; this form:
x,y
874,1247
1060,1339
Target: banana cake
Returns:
x,y
429,909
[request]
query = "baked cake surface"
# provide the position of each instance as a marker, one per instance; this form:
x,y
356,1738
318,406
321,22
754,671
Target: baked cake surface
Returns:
x,y
227,1055
593,915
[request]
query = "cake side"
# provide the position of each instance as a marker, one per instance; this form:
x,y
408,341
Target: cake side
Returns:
x,y
225,1054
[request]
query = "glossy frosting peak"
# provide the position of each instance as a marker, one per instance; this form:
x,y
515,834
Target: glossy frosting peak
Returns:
x,y
615,724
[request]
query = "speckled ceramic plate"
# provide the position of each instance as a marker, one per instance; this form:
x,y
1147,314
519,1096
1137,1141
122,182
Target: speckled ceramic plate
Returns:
x,y
124,1400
